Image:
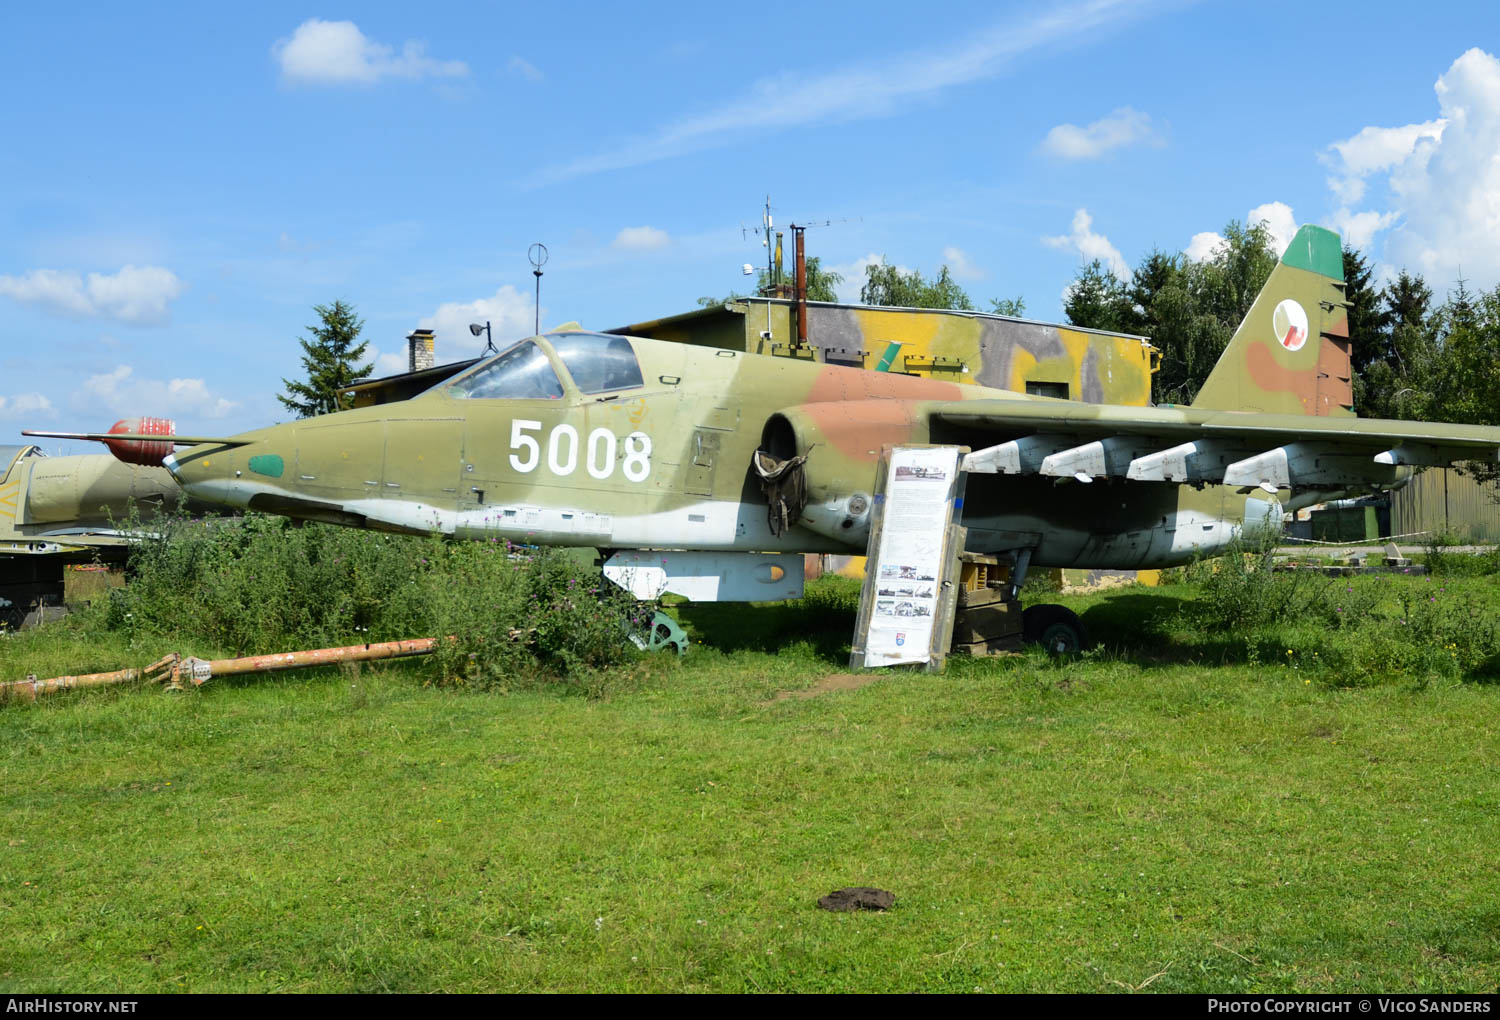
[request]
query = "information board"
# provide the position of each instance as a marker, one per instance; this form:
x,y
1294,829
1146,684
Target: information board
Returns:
x,y
907,604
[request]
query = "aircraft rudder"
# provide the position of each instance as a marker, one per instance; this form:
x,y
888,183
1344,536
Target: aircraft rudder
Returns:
x,y
1317,250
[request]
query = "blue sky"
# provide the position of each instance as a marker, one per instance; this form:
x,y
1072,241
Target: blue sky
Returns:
x,y
183,183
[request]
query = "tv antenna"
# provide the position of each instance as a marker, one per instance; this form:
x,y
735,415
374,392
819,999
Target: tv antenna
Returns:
x,y
770,239
538,256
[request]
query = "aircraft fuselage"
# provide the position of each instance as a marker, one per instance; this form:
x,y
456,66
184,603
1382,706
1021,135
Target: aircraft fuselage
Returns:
x,y
665,465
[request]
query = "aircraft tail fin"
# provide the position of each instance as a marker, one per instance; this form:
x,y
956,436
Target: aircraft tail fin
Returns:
x,y
1290,355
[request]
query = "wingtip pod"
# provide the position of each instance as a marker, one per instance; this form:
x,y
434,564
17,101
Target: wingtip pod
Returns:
x,y
145,452
131,440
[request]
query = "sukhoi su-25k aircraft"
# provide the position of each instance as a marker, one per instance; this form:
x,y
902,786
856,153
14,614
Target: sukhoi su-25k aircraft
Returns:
x,y
688,465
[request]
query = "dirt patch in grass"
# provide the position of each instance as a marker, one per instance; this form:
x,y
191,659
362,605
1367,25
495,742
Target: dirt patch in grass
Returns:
x,y
830,683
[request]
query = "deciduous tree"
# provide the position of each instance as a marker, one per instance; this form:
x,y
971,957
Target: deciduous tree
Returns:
x,y
888,285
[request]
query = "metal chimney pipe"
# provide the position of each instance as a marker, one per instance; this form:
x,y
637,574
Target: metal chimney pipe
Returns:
x,y
797,233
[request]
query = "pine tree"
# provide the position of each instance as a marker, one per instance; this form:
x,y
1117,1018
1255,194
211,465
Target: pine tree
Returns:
x,y
330,356
1369,318
1097,299
1394,381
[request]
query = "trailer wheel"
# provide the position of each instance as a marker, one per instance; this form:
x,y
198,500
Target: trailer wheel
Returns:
x,y
1056,628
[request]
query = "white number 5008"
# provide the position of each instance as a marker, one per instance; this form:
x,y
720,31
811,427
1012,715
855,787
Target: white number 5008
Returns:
x,y
563,452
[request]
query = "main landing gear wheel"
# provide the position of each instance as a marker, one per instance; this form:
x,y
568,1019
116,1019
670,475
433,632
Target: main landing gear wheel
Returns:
x,y
1056,628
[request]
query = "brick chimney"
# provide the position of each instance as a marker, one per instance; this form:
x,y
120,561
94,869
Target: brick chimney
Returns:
x,y
420,349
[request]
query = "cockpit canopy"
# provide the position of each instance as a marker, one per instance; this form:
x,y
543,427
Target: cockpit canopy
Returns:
x,y
597,363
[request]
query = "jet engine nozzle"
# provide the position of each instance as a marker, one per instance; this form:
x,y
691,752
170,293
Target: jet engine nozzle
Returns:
x,y
146,452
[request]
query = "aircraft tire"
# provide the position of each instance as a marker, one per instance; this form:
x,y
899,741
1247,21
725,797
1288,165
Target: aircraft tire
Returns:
x,y
1056,628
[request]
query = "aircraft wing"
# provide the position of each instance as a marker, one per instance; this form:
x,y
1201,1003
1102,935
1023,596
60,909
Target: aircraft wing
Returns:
x,y
1067,439
63,542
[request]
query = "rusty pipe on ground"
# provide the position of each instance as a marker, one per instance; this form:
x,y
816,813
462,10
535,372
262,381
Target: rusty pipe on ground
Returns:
x,y
176,671
31,688
198,671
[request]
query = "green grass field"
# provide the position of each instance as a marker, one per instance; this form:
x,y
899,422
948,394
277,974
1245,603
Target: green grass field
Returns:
x,y
1184,810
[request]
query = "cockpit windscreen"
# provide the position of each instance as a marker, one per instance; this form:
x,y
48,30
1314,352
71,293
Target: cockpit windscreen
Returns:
x,y
521,373
598,362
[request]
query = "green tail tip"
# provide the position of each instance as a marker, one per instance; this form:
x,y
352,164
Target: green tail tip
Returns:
x,y
1318,250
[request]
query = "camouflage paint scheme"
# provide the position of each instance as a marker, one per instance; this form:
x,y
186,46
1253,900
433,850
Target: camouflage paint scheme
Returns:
x,y
67,505
666,465
970,348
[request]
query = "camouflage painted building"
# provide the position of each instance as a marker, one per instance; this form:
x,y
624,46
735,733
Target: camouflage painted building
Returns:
x,y
963,347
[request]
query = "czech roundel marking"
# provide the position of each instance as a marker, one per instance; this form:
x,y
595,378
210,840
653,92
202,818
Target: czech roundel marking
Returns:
x,y
1290,323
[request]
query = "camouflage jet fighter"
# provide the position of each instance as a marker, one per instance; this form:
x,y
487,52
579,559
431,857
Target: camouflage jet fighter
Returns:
x,y
719,457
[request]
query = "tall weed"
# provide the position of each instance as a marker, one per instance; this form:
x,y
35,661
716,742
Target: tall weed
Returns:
x,y
1240,589
1441,558
258,584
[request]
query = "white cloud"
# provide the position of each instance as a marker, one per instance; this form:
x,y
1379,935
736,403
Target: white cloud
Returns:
x,y
856,92
337,52
136,295
26,405
121,392
958,261
640,239
291,245
1372,150
1278,218
392,363
1090,245
525,68
854,276
508,311
1359,229
1446,190
1205,245
1122,127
